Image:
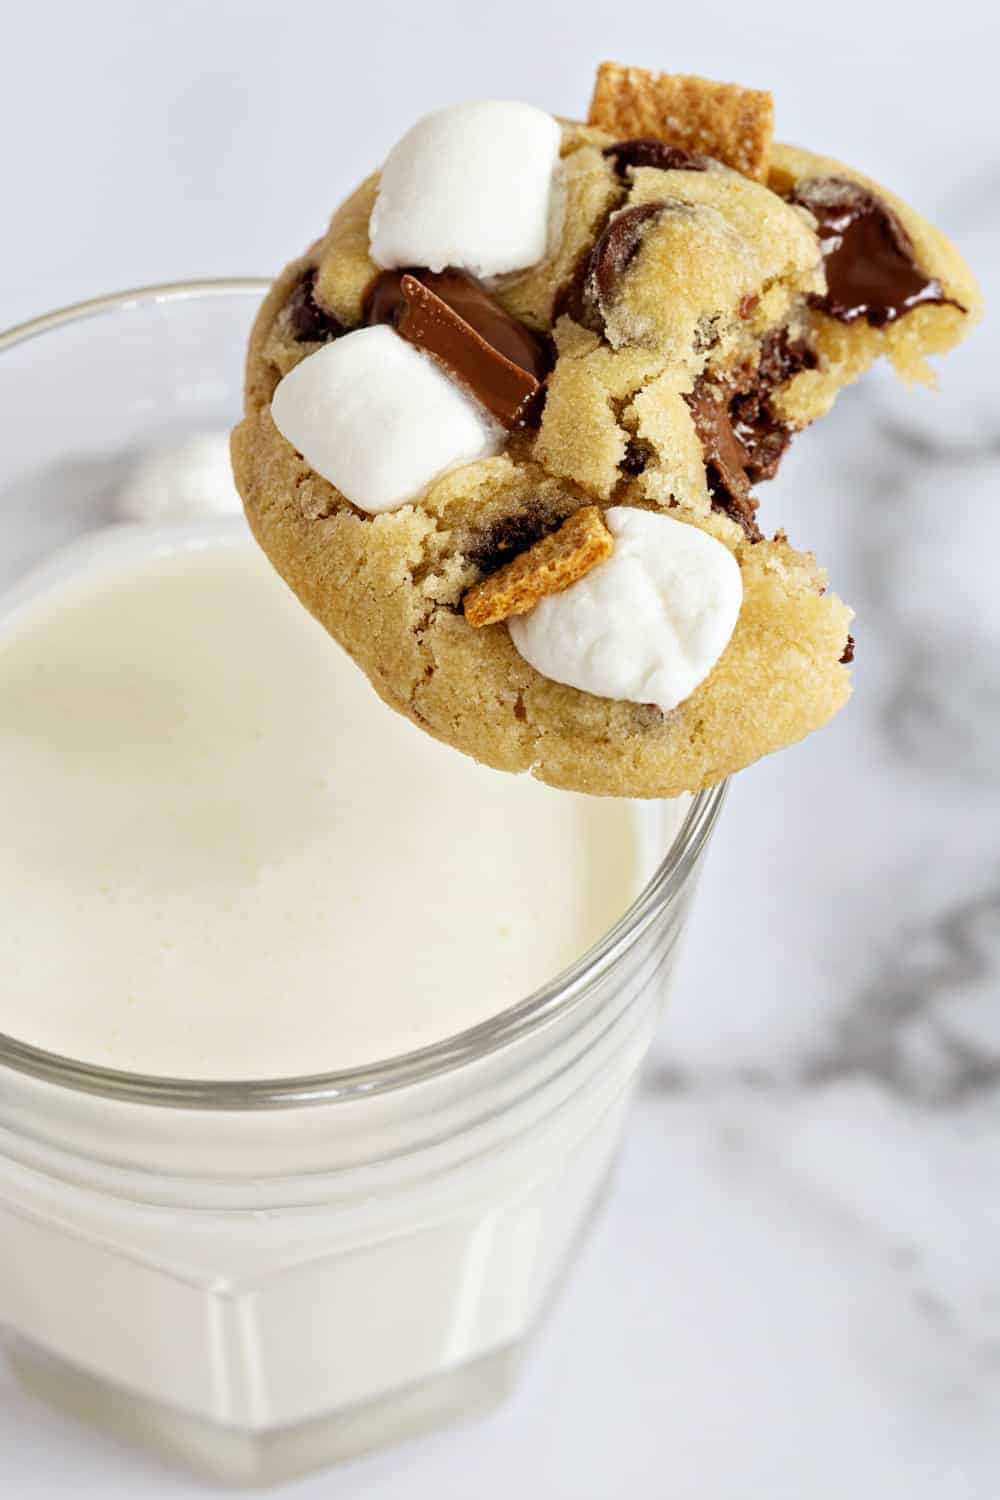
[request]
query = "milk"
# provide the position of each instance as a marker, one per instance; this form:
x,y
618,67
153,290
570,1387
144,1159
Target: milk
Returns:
x,y
226,858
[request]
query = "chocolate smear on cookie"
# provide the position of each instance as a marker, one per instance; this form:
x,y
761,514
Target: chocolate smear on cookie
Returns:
x,y
870,263
451,316
310,323
644,151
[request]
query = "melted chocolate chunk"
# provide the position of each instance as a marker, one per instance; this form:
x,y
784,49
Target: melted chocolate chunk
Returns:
x,y
782,357
510,535
452,316
742,439
644,151
764,441
618,247
763,436
310,323
725,455
871,269
848,655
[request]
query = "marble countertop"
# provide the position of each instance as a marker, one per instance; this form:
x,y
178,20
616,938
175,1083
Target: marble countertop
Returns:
x,y
794,1291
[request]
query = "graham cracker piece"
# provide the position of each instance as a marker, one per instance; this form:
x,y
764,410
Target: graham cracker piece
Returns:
x,y
549,566
723,120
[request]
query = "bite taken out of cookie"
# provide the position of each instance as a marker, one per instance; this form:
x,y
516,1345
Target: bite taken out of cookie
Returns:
x,y
505,420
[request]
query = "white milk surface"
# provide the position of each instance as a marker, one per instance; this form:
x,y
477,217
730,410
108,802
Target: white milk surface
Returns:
x,y
224,857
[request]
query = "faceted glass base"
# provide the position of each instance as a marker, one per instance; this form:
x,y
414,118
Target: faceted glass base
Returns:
x,y
230,1456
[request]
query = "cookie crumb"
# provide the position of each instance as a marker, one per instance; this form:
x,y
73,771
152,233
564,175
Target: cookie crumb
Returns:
x,y
548,567
732,124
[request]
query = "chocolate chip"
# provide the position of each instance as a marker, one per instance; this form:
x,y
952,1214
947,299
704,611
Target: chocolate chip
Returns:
x,y
644,151
848,655
618,247
572,299
310,323
637,456
452,316
870,263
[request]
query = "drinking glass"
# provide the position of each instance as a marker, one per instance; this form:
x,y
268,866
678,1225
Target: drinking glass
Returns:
x,y
260,1277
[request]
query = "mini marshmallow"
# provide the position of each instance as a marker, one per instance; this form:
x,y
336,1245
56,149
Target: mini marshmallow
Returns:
x,y
379,419
468,186
648,624
181,482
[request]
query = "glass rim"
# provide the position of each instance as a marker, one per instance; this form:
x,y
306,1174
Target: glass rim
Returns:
x,y
557,996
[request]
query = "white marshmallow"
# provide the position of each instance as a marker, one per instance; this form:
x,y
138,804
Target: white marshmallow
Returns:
x,y
468,186
183,481
378,418
648,624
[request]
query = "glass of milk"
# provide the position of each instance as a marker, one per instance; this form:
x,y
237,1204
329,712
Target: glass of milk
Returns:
x,y
316,1038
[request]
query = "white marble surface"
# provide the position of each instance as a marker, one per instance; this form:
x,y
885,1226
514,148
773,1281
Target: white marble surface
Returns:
x,y
794,1293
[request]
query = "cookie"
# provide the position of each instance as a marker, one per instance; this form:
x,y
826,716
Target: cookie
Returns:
x,y
939,299
684,321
